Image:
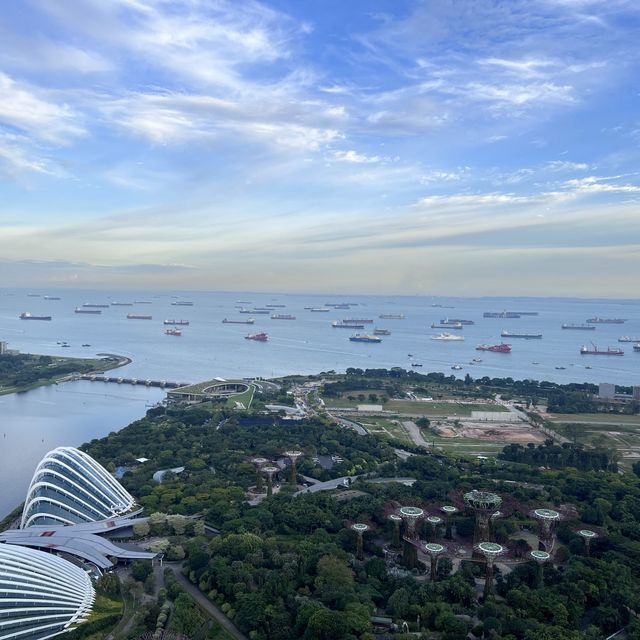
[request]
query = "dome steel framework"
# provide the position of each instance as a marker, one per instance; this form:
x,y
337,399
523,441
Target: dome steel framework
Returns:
x,y
70,487
42,595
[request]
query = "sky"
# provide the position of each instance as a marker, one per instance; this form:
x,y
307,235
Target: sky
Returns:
x,y
447,147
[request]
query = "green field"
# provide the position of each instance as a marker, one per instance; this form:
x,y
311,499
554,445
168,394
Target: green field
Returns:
x,y
245,398
603,418
385,427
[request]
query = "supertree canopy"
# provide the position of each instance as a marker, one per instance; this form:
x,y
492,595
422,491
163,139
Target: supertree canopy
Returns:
x,y
484,504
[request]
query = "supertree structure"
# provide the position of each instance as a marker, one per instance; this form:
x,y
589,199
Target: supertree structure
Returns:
x,y
410,516
490,550
270,471
434,551
293,455
259,463
547,518
587,535
434,522
541,558
397,521
359,528
448,512
484,504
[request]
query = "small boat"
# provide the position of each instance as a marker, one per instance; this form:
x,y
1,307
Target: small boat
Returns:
x,y
636,347
456,367
628,339
260,337
416,364
173,332
86,345
561,368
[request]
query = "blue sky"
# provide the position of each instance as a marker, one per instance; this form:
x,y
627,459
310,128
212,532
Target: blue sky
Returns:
x,y
447,146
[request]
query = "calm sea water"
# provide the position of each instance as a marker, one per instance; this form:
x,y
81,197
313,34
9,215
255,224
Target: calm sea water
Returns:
x,y
73,413
208,348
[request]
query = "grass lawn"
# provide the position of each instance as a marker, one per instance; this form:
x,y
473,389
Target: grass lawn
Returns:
x,y
245,398
604,418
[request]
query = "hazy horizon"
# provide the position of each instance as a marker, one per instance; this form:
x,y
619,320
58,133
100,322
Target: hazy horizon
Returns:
x,y
446,148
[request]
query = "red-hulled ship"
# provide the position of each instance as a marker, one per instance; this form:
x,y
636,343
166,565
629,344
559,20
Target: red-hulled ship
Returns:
x,y
496,348
260,337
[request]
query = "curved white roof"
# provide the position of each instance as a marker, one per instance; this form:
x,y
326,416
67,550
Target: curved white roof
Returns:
x,y
41,595
70,487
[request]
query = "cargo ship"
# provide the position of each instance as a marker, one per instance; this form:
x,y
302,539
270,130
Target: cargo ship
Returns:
x,y
501,314
138,316
526,336
247,321
260,312
381,332
628,339
319,310
29,316
392,316
495,348
51,298
183,323
597,320
89,305
446,325
447,336
357,321
579,327
456,321
363,337
182,303
122,304
343,324
92,312
142,302
173,332
283,316
594,351
260,337
275,306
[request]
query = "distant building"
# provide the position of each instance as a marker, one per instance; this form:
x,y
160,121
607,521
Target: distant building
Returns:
x,y
370,408
3,347
607,391
635,392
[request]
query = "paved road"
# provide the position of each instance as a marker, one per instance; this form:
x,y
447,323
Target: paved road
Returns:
x,y
205,603
414,433
349,424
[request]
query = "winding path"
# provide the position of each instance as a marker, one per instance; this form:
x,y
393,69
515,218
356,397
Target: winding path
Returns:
x,y
205,603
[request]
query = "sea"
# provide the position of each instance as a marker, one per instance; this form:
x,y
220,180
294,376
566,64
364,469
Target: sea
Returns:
x,y
72,413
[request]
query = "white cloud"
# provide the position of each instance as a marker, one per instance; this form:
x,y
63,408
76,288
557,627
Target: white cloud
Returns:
x,y
354,156
33,112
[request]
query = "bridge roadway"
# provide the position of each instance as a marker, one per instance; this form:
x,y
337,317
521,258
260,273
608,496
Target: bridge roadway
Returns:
x,y
163,384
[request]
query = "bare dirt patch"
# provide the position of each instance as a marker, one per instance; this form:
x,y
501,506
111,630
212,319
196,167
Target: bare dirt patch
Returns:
x,y
491,432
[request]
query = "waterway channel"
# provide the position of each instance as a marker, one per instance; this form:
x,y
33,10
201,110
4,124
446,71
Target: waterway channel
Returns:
x,y
68,414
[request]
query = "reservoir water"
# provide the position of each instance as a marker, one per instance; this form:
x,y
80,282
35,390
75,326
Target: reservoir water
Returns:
x,y
74,413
